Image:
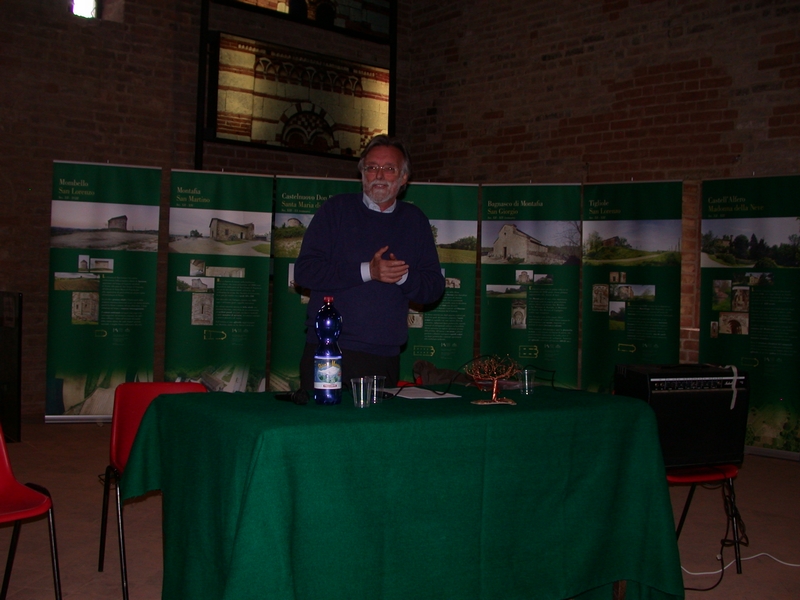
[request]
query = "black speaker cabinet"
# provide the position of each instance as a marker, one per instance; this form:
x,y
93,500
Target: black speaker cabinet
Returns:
x,y
701,410
11,365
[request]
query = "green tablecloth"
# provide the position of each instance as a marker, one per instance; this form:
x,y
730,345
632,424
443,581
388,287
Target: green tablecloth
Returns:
x,y
556,497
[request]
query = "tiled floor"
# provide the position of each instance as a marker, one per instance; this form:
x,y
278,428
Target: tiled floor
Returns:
x,y
68,458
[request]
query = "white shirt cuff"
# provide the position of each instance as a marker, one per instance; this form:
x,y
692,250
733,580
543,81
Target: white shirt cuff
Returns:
x,y
365,275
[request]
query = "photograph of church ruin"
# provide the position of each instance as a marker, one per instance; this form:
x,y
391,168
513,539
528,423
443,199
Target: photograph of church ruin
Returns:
x,y
197,266
616,316
653,242
621,292
101,265
740,301
734,323
202,309
280,96
238,272
194,284
519,314
599,297
85,308
287,236
118,223
225,231
103,226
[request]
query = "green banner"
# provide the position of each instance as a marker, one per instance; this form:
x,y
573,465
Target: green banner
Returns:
x,y
750,294
530,276
103,260
443,334
296,201
631,278
218,280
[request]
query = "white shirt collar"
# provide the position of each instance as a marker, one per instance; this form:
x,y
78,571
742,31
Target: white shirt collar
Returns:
x,y
372,205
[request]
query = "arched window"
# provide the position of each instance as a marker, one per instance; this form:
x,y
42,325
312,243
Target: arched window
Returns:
x,y
298,9
308,131
325,14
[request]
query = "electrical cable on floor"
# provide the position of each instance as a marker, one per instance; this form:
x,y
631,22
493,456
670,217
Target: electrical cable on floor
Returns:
x,y
744,558
708,589
768,555
733,515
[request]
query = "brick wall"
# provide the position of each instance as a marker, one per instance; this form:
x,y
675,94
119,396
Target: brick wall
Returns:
x,y
487,92
690,272
601,92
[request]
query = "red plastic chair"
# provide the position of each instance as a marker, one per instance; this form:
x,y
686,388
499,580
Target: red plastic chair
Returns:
x,y
17,503
130,403
724,473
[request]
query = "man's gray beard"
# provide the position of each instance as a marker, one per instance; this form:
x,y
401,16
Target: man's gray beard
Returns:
x,y
391,193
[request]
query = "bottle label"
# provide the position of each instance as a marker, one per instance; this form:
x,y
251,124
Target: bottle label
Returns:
x,y
327,373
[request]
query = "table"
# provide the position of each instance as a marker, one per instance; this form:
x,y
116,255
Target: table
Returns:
x,y
556,497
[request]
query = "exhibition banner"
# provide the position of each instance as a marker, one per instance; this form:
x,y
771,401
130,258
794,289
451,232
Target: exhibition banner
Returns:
x,y
631,278
750,294
530,277
443,333
103,258
296,201
218,280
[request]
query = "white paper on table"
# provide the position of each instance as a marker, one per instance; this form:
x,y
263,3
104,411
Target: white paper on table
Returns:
x,y
417,393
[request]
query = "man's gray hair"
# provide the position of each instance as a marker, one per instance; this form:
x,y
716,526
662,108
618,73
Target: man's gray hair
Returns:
x,y
385,140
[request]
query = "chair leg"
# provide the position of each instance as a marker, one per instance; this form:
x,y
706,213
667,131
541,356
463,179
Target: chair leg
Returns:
x,y
121,532
54,553
51,521
110,474
685,510
733,517
10,561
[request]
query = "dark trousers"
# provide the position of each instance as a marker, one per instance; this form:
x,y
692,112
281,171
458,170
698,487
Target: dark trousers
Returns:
x,y
354,364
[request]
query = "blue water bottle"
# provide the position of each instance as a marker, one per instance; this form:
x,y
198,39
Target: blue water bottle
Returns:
x,y
328,357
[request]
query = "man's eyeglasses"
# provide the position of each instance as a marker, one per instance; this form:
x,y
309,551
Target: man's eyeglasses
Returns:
x,y
388,170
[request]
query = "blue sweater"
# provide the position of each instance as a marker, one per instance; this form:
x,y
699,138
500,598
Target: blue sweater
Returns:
x,y
343,234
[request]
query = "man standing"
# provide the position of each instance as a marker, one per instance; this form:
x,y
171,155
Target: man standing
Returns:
x,y
374,254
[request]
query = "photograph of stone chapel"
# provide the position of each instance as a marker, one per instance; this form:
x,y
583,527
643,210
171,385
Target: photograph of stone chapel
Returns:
x,y
530,242
223,231
226,232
